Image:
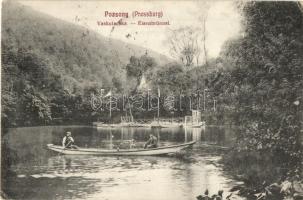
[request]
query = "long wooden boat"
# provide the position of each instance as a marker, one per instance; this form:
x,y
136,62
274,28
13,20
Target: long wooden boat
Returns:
x,y
120,125
122,152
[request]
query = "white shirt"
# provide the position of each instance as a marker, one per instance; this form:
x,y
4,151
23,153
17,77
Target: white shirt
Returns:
x,y
65,138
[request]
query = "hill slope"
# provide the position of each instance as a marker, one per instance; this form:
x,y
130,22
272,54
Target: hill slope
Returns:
x,y
50,67
79,54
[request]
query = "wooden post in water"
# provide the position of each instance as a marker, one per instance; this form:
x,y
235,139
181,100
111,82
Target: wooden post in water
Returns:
x,y
199,100
148,99
110,139
123,109
158,103
110,104
204,98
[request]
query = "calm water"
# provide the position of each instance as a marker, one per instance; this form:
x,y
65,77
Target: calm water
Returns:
x,y
33,172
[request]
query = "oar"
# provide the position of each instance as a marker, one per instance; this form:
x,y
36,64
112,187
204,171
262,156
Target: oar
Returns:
x,y
65,147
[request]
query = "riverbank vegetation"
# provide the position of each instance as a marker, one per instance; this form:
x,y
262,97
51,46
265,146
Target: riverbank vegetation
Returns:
x,y
265,85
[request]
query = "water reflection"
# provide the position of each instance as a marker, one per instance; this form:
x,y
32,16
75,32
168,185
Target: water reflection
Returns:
x,y
193,133
96,177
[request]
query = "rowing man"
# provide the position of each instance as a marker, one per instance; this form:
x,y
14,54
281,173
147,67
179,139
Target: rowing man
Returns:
x,y
68,141
152,142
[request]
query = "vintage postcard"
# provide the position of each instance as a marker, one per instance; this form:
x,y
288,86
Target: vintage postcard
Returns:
x,y
151,100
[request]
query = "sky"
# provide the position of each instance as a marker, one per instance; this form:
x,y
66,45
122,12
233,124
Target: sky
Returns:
x,y
223,20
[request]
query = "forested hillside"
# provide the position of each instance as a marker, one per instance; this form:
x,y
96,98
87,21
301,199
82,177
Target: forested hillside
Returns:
x,y
46,62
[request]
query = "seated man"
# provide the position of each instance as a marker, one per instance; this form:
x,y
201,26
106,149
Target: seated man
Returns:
x,y
68,141
152,142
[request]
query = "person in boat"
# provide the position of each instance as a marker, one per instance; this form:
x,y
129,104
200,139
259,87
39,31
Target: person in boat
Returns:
x,y
68,141
152,142
132,144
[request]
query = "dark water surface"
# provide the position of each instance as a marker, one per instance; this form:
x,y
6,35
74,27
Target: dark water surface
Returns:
x,y
33,172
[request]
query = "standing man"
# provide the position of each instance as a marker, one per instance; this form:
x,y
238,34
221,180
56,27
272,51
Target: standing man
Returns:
x,y
68,140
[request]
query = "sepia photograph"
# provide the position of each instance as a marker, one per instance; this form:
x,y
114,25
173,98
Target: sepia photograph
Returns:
x,y
151,100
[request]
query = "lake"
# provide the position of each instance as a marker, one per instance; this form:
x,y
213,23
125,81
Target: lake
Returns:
x,y
33,172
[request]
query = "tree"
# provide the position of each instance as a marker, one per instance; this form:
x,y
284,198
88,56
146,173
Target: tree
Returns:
x,y
187,43
171,78
138,66
203,15
266,82
35,107
184,44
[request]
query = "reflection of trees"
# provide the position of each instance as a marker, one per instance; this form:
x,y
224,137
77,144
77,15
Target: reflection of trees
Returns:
x,y
196,134
96,138
8,158
27,144
127,133
214,135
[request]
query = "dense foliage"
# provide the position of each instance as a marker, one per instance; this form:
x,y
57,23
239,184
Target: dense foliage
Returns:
x,y
263,90
50,68
137,67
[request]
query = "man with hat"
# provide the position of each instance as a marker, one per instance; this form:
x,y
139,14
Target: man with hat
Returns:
x,y
68,140
152,142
